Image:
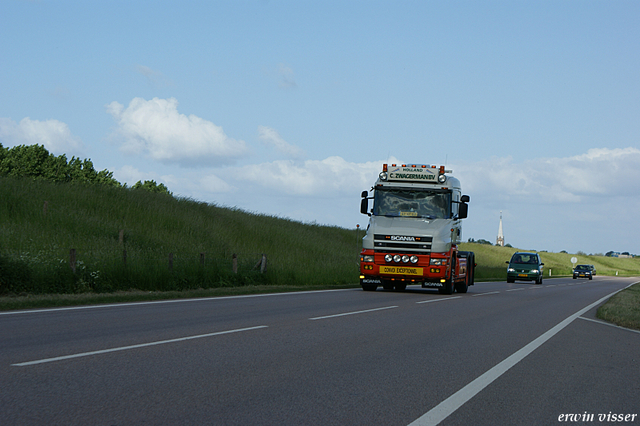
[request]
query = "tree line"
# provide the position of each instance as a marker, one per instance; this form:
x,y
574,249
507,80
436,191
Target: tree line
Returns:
x,y
36,162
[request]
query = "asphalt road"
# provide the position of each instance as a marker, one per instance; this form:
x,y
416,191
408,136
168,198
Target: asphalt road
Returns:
x,y
502,354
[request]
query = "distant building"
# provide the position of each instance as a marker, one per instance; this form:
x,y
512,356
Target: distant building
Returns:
x,y
500,240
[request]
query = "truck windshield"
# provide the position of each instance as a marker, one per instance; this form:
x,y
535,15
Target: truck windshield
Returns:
x,y
398,202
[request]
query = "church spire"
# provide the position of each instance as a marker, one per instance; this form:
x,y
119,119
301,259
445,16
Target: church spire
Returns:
x,y
500,241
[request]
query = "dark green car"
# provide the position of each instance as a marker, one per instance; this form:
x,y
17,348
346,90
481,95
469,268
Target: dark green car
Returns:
x,y
525,267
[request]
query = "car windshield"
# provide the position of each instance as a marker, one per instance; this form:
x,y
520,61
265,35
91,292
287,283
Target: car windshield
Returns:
x,y
399,202
524,258
582,268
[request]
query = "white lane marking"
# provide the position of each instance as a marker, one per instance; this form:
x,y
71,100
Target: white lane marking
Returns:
x,y
142,345
552,285
610,325
516,289
483,294
455,401
352,313
438,300
157,302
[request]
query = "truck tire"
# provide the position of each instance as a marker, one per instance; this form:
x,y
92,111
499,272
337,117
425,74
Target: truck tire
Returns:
x,y
447,288
387,285
463,286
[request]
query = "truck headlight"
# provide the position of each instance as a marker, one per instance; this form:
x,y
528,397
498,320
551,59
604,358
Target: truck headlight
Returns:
x,y
438,262
414,259
367,258
397,258
405,258
388,258
383,176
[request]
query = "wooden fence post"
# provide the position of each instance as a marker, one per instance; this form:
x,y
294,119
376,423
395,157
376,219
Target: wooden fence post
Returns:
x,y
263,264
72,260
235,263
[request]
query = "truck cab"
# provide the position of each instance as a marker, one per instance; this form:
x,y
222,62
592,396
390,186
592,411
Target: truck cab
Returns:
x,y
415,225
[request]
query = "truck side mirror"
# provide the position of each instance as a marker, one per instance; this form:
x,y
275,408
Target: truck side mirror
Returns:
x,y
364,205
464,199
463,210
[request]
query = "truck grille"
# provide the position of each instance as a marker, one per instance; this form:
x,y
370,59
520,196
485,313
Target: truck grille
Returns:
x,y
394,243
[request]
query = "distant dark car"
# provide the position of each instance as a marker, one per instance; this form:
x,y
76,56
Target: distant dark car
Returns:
x,y
525,267
582,271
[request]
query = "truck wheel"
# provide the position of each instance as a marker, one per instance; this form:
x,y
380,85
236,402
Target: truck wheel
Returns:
x,y
401,286
471,261
387,285
447,288
539,280
464,286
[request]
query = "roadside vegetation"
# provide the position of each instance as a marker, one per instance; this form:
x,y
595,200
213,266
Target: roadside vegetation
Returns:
x,y
69,240
623,309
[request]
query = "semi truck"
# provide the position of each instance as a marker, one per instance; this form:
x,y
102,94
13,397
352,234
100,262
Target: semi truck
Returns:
x,y
415,227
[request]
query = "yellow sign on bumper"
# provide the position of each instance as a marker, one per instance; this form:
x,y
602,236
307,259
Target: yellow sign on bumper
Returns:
x,y
400,270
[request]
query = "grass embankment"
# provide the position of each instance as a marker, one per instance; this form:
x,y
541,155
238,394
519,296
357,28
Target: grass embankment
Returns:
x,y
35,244
491,263
623,308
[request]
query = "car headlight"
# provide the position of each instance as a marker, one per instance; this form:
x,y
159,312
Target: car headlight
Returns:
x,y
535,271
367,258
511,270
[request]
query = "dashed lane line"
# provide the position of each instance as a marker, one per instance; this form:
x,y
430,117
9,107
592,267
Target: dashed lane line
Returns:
x,y
142,345
352,313
439,300
484,294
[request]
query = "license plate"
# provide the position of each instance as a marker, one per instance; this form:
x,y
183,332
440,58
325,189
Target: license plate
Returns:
x,y
523,275
400,270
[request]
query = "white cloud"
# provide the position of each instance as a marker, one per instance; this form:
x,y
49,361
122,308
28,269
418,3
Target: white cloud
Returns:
x,y
331,176
156,129
213,184
287,77
271,137
154,77
53,134
599,172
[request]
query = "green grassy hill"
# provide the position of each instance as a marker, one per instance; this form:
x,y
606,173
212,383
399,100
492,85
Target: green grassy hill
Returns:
x,y
491,262
35,244
124,239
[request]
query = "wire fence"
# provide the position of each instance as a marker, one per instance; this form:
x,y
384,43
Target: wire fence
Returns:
x,y
90,270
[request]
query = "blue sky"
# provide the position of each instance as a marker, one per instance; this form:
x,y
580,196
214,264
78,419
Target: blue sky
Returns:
x,y
290,108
